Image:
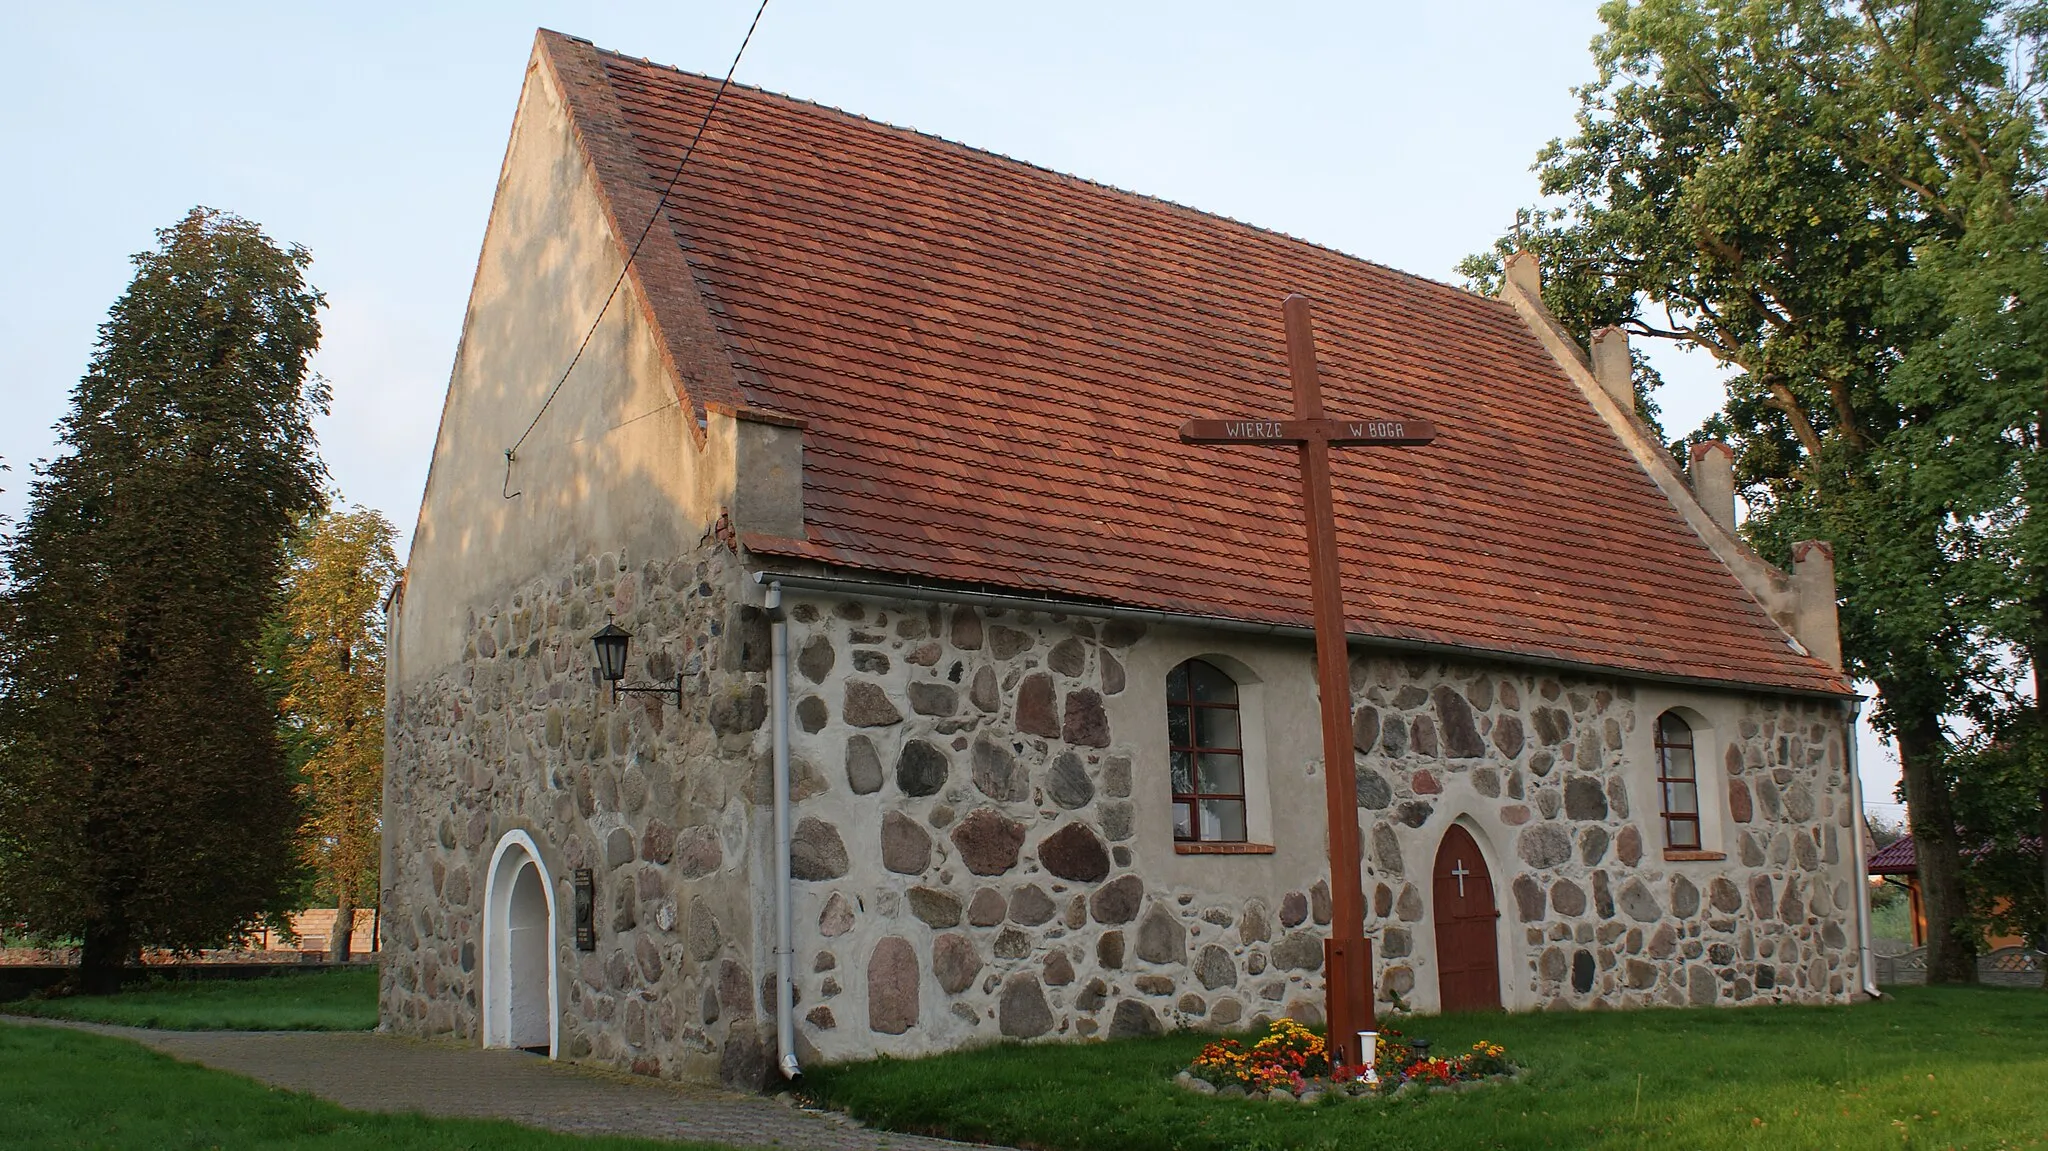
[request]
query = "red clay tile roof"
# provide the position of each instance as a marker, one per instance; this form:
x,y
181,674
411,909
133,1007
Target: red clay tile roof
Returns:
x,y
992,361
1894,858
1899,857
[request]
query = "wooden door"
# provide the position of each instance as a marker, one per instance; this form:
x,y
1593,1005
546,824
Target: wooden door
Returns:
x,y
1467,964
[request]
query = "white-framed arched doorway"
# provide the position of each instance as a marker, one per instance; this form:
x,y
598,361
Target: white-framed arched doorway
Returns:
x,y
519,1001
1509,958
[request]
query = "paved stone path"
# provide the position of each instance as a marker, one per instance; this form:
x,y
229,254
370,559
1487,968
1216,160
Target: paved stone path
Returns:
x,y
369,1072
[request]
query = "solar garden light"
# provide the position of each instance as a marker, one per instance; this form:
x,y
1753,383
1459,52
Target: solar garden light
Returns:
x,y
611,642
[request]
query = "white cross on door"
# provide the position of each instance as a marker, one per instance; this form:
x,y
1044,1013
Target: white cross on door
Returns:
x,y
1461,873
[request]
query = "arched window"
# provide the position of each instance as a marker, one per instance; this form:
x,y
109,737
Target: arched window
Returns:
x,y
1207,745
1678,780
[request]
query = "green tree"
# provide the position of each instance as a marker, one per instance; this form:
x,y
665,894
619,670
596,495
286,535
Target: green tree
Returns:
x,y
1998,810
144,799
341,565
1764,179
1983,372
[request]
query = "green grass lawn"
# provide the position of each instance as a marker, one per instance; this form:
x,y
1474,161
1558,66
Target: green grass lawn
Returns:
x,y
62,1089
1930,1067
315,1001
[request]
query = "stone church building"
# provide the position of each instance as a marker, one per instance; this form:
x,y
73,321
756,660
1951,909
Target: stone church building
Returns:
x,y
874,456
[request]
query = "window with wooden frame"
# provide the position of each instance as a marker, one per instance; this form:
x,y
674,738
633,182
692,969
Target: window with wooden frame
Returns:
x,y
1206,744
1678,782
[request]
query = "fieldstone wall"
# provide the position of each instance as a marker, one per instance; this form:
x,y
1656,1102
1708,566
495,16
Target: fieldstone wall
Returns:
x,y
968,860
662,806
971,792
966,856
1556,776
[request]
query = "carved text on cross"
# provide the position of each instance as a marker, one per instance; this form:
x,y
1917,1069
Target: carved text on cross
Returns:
x,y
1380,433
1461,873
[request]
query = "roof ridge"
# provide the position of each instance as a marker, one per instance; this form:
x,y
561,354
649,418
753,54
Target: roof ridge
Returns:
x,y
1045,170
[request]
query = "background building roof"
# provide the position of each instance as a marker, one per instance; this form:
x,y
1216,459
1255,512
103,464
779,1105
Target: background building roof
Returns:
x,y
1899,858
1894,858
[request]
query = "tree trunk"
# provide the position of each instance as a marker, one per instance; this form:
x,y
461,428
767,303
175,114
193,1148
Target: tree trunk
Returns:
x,y
342,938
2040,939
2037,646
1930,808
2037,654
101,959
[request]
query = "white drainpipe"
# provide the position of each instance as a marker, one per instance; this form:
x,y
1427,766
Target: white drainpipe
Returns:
x,y
778,707
1865,966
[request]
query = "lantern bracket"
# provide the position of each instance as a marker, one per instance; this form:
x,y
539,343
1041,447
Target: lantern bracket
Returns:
x,y
673,691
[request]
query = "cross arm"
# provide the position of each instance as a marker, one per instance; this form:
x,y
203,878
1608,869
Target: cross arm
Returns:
x,y
1374,432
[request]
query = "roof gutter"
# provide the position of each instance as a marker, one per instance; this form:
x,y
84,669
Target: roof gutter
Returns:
x,y
1865,964
778,694
887,589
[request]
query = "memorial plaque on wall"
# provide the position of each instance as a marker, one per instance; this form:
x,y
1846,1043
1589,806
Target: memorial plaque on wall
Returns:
x,y
586,910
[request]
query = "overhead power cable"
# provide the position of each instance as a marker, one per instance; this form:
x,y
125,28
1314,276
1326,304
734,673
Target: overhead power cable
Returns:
x,y
660,206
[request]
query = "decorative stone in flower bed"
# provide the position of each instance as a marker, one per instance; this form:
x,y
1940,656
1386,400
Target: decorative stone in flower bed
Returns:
x,y
1291,1063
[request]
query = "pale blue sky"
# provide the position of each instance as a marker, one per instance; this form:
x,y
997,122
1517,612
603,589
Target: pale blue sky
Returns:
x,y
372,133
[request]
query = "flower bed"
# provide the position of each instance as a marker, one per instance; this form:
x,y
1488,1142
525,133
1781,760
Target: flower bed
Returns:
x,y
1292,1062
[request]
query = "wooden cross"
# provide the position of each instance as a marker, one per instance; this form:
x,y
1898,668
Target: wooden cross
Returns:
x,y
1347,957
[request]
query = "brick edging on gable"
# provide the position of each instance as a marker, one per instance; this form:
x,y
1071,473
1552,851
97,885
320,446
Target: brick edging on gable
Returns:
x,y
700,360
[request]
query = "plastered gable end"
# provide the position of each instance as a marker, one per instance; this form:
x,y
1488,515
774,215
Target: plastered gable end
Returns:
x,y
610,462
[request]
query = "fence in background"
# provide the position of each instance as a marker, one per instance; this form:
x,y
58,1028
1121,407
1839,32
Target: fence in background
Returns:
x,y
2005,967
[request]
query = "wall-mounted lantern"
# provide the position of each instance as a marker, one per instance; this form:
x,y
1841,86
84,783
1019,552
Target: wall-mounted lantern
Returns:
x,y
611,642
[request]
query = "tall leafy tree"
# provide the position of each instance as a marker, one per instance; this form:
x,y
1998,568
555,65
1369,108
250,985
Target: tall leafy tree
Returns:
x,y
1998,809
144,798
1980,163
1763,179
341,566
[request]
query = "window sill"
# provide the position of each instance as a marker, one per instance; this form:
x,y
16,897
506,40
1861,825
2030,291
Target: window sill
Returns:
x,y
1223,849
1675,855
